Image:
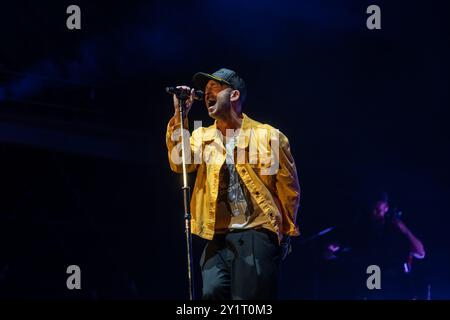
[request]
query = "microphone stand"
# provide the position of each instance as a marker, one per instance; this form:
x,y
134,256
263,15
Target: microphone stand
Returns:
x,y
182,97
317,235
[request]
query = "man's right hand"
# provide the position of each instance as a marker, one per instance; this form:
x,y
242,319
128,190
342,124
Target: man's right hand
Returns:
x,y
188,104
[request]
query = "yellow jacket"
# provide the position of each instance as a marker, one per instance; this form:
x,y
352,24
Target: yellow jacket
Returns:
x,y
273,184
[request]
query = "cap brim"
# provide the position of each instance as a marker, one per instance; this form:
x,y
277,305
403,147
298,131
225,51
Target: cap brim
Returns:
x,y
200,80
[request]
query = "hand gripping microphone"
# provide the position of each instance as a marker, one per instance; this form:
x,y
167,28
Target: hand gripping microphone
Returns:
x,y
185,94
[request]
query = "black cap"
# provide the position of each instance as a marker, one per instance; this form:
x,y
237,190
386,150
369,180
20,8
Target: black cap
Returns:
x,y
223,75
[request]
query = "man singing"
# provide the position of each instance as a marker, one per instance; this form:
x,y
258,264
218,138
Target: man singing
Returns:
x,y
246,192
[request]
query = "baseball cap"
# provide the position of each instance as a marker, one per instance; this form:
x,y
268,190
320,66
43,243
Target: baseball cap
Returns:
x,y
222,75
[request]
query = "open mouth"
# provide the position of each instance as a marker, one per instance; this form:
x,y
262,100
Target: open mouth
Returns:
x,y
211,102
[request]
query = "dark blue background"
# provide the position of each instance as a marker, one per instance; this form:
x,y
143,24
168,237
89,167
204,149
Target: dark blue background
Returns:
x,y
84,175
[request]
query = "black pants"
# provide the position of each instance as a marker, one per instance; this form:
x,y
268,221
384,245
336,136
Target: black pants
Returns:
x,y
241,265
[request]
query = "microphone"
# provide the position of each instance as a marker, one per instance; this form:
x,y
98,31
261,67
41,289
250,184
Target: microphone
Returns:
x,y
185,94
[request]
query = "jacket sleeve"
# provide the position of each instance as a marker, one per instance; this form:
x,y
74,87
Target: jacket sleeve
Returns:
x,y
193,148
287,187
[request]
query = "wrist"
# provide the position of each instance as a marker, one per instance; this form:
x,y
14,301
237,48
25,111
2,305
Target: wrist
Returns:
x,y
176,120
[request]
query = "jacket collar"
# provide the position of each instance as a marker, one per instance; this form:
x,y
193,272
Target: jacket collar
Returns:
x,y
243,138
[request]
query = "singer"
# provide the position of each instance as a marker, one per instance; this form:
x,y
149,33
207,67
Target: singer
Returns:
x,y
246,212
